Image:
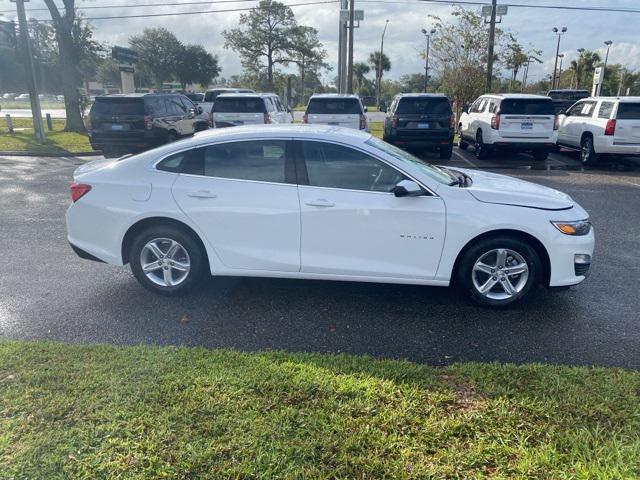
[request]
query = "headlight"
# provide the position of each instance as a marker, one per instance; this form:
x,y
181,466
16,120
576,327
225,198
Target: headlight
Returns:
x,y
579,227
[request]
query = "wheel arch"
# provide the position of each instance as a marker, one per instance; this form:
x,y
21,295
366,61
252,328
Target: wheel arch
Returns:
x,y
148,222
524,236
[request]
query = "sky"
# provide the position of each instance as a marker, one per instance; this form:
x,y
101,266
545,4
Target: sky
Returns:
x,y
403,41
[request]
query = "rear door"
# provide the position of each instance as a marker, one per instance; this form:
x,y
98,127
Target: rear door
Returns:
x,y
627,130
424,117
341,112
243,196
527,118
235,110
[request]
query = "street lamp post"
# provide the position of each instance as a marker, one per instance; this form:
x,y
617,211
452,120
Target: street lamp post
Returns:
x,y
559,33
604,69
561,56
379,66
426,64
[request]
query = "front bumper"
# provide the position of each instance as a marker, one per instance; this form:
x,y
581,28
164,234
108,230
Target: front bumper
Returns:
x,y
570,259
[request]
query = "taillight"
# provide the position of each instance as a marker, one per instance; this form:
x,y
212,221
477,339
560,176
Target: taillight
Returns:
x,y
148,124
495,121
266,118
78,190
363,122
556,123
305,118
394,121
610,129
210,119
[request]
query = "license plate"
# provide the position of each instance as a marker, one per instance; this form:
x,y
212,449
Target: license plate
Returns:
x,y
526,125
333,123
423,125
117,126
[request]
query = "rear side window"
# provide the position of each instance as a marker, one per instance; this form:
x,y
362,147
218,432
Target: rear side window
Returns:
x,y
118,106
628,111
521,106
334,106
189,161
605,109
239,105
155,106
260,160
424,106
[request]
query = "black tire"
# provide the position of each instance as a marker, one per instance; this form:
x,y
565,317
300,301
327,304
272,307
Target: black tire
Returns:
x,y
196,258
462,145
540,156
172,137
588,155
446,152
481,150
465,274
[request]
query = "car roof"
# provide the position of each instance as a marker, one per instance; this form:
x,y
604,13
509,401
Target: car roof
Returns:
x,y
614,99
228,89
420,95
567,90
524,96
334,95
246,95
134,95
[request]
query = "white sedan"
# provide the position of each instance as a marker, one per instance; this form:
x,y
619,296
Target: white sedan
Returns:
x,y
323,203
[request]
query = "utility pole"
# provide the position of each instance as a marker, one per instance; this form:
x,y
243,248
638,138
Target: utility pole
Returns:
x,y
604,69
342,50
492,38
350,55
426,62
379,66
31,77
561,56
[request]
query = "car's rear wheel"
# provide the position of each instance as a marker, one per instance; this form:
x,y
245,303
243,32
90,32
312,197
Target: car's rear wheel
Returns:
x,y
462,145
167,260
499,271
588,155
540,156
481,150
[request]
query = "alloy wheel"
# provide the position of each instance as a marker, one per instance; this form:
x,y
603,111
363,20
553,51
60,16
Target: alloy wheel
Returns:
x,y
500,274
165,262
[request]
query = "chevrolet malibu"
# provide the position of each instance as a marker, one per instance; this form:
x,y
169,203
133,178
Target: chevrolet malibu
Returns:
x,y
322,202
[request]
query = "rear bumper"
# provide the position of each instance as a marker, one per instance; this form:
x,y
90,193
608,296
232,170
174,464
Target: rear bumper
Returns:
x,y
417,138
606,145
547,146
83,254
138,141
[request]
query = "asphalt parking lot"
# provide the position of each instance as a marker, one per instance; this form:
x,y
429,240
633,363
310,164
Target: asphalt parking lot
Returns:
x,y
46,292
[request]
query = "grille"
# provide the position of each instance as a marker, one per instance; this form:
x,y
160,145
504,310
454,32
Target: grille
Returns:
x,y
582,269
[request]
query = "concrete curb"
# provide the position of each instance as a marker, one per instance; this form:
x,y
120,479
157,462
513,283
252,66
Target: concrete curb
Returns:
x,y
50,154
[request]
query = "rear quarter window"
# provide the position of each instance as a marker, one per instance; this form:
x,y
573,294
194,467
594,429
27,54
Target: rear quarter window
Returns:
x,y
112,106
330,106
239,105
628,111
521,106
437,106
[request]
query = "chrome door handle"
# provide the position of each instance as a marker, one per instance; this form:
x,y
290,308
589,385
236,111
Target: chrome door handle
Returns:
x,y
321,202
201,194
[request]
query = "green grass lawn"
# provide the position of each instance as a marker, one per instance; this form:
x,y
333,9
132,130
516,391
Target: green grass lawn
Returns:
x,y
58,141
69,412
13,105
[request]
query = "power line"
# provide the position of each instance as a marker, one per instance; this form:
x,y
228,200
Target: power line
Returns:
x,y
172,4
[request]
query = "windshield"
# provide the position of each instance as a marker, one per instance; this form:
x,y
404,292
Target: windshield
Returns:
x,y
436,173
239,105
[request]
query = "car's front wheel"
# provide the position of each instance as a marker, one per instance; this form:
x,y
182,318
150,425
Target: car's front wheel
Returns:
x,y
540,155
167,260
481,150
499,271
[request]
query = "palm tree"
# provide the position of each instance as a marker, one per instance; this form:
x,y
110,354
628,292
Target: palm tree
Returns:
x,y
360,69
380,65
584,66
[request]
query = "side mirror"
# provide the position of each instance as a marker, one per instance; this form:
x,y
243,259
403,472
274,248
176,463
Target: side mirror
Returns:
x,y
407,188
366,109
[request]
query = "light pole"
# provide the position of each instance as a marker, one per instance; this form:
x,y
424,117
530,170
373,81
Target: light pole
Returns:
x,y
559,33
379,66
561,56
426,64
604,69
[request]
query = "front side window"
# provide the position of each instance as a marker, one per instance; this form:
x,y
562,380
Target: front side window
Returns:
x,y
575,110
259,160
174,106
336,166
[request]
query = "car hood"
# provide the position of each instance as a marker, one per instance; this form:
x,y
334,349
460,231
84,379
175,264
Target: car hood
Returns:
x,y
501,189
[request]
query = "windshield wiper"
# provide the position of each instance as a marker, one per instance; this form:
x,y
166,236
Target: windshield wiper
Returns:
x,y
461,180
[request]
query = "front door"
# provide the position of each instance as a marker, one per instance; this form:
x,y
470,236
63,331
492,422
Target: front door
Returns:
x,y
243,196
352,225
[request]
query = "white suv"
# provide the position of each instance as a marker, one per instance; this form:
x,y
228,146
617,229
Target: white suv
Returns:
x,y
336,109
232,109
602,125
511,122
